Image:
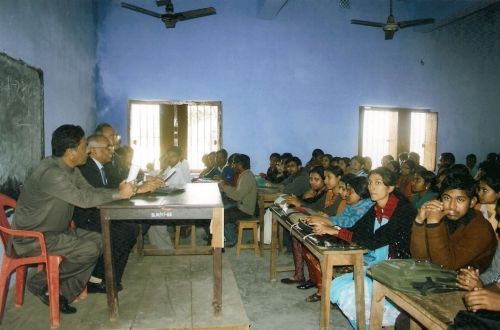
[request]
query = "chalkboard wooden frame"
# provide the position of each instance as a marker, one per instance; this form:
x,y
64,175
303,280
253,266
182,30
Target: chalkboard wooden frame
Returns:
x,y
21,121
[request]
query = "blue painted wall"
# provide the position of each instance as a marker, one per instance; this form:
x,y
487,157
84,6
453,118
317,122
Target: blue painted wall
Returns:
x,y
58,36
295,82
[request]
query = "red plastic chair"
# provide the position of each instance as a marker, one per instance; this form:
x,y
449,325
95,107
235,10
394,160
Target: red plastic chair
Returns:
x,y
19,264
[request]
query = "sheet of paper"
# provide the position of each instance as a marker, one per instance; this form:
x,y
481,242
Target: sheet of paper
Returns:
x,y
134,171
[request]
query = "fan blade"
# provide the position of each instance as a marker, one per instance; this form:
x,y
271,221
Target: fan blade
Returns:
x,y
389,34
422,21
140,10
367,23
190,14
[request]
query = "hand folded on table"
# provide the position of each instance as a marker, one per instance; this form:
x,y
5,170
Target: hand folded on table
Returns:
x,y
151,184
468,279
483,299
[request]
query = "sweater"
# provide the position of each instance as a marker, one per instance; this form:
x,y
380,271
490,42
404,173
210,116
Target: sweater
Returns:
x,y
245,192
395,233
469,241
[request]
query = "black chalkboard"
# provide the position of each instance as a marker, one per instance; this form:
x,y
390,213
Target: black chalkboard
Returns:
x,y
21,121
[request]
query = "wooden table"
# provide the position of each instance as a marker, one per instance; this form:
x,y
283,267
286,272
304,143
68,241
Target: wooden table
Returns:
x,y
199,201
433,311
328,257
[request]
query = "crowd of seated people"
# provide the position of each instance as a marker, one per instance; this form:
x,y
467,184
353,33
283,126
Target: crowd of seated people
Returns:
x,y
449,217
397,210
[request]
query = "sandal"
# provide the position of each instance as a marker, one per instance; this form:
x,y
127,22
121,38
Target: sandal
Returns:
x,y
313,298
291,280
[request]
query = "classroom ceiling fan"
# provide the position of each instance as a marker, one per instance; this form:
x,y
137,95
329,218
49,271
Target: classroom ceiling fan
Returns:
x,y
391,26
170,18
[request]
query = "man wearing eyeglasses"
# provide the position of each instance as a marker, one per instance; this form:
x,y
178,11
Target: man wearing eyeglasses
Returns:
x,y
116,169
123,233
46,205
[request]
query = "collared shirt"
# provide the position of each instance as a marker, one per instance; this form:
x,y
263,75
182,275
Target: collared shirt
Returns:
x,y
181,175
101,169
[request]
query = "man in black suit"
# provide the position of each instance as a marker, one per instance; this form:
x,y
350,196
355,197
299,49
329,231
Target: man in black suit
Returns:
x,y
115,167
123,233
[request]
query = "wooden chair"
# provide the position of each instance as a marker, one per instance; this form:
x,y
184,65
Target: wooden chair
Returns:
x,y
252,224
19,264
177,244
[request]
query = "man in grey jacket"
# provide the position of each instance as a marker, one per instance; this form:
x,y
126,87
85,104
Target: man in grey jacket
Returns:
x,y
46,205
244,194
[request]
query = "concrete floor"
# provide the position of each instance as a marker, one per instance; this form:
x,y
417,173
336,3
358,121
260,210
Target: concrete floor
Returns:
x,y
155,298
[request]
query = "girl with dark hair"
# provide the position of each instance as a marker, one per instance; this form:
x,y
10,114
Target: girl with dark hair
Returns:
x,y
313,262
326,160
385,231
329,203
423,187
358,203
489,194
318,189
408,169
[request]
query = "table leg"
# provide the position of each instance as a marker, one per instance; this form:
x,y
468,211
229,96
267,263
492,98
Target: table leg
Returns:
x,y
111,291
377,307
359,290
262,210
274,248
326,282
217,300
217,229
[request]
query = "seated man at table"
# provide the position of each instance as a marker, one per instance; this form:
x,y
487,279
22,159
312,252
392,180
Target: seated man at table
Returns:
x,y
158,234
244,194
46,205
123,233
449,232
297,182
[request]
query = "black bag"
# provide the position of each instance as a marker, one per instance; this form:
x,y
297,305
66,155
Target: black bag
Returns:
x,y
482,319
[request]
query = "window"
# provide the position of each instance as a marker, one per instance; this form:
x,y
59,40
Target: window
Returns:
x,y
391,131
155,126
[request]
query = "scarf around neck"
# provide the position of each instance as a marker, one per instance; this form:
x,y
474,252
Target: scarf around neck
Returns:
x,y
330,197
388,209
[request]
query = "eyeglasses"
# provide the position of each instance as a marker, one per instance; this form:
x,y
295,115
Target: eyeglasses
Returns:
x,y
109,147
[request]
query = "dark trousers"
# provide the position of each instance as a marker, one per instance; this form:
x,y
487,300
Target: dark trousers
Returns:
x,y
231,217
123,238
80,249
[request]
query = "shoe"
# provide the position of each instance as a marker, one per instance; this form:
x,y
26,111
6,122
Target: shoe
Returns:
x,y
306,285
289,280
313,298
64,306
101,287
96,287
229,245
